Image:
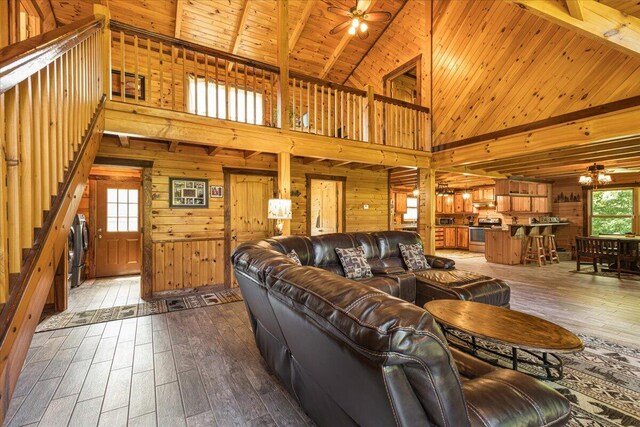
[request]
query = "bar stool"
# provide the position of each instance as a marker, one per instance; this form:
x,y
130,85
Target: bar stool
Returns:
x,y
535,250
551,248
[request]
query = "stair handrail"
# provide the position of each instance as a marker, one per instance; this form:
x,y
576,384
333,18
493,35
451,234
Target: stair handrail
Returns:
x,y
20,60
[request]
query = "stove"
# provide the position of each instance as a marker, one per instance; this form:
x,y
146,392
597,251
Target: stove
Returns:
x,y
476,233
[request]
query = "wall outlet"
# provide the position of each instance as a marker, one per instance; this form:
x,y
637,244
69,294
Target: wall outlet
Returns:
x,y
365,206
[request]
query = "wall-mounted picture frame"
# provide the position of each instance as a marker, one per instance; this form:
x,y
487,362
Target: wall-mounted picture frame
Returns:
x,y
129,85
216,191
188,193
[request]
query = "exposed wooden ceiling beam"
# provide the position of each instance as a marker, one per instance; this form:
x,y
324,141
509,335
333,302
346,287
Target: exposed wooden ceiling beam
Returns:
x,y
601,23
464,170
338,164
251,154
124,141
173,146
179,14
237,35
212,151
575,9
297,30
309,161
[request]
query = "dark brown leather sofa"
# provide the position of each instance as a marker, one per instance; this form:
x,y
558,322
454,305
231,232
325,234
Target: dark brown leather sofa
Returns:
x,y
353,354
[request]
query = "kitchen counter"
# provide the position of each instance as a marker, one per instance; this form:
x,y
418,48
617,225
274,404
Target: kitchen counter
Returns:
x,y
528,229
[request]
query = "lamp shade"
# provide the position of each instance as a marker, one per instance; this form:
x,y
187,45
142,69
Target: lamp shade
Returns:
x,y
279,209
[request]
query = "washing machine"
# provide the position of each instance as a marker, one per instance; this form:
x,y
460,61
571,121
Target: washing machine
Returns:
x,y
78,247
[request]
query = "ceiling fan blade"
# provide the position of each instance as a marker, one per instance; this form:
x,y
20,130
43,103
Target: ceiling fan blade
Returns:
x,y
340,27
337,11
363,36
378,16
363,5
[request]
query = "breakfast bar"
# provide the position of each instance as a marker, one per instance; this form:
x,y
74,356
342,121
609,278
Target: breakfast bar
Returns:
x,y
506,245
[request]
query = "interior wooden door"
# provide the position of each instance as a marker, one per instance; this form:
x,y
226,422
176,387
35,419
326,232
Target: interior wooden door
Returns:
x,y
249,201
326,213
118,239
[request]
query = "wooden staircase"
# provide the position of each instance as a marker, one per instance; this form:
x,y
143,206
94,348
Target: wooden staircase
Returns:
x,y
51,122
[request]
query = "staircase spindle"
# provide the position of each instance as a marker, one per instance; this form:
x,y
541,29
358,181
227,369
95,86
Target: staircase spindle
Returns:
x,y
25,164
12,127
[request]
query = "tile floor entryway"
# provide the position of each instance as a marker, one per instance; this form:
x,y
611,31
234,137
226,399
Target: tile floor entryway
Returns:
x,y
105,293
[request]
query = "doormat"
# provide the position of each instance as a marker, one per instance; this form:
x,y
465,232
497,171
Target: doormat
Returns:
x,y
602,382
613,274
89,317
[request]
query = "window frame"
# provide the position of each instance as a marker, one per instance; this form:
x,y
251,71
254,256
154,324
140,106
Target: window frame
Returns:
x,y
634,209
405,218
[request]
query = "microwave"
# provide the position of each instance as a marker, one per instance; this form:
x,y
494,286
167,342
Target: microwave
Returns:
x,y
444,221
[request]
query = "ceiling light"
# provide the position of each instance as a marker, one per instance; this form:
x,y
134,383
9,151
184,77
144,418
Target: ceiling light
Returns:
x,y
595,175
466,195
363,27
352,30
355,22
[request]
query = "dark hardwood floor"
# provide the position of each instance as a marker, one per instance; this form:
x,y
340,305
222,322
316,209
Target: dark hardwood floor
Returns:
x,y
200,367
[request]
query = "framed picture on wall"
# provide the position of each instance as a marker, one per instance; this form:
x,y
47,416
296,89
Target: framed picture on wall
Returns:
x,y
188,193
216,191
129,85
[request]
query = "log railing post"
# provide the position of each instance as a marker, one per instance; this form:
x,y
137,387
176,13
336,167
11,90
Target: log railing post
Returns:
x,y
25,165
105,57
13,178
4,250
283,65
371,115
427,208
284,185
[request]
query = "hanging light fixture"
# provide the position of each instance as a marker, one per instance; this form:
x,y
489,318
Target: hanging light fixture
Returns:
x,y
466,195
595,175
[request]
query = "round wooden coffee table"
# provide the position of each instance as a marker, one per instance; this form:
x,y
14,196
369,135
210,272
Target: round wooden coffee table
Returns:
x,y
537,337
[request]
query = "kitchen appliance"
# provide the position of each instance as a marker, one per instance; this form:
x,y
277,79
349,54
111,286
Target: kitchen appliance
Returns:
x,y
444,221
477,235
78,247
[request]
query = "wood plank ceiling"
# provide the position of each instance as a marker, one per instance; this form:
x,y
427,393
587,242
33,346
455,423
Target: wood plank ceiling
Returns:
x,y
248,28
496,66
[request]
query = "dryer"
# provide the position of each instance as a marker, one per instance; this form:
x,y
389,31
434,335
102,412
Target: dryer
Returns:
x,y
78,247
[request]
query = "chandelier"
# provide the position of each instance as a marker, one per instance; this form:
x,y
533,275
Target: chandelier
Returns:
x,y
595,175
443,189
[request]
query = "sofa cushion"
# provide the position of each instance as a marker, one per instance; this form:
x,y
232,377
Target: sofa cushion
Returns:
x,y
294,256
354,263
300,244
413,257
324,254
457,284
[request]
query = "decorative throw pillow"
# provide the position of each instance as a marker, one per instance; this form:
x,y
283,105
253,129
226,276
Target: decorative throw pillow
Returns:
x,y
294,257
414,257
354,263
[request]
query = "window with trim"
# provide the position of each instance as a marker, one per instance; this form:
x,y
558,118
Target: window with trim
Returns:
x,y
244,106
612,211
412,210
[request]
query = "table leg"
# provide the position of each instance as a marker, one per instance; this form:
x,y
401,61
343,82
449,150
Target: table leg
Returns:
x,y
514,355
474,346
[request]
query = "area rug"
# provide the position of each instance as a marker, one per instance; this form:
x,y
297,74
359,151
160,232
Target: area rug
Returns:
x,y
73,319
613,274
602,382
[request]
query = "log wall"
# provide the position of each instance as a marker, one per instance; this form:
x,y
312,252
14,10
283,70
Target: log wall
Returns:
x,y
188,244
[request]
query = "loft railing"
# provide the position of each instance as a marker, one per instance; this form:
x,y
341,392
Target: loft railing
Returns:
x,y
180,76
50,91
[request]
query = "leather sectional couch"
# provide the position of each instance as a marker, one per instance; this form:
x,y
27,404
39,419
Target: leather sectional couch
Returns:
x,y
361,353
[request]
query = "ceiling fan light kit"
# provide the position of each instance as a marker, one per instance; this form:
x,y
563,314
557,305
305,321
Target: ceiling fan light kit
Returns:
x,y
358,17
595,175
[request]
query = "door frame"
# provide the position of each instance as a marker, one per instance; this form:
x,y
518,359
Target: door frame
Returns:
x,y
413,62
340,178
227,172
146,187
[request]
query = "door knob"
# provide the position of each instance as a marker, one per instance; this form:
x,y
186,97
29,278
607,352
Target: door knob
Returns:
x,y
100,230
99,236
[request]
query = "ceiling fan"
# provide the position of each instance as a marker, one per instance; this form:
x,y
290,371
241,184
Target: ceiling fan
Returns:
x,y
358,18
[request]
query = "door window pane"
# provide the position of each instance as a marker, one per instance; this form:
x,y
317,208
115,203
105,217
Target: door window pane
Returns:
x,y
122,210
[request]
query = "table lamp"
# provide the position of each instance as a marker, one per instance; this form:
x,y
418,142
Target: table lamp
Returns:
x,y
279,209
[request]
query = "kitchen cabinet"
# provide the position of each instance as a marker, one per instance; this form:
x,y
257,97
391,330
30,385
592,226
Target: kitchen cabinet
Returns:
x,y
462,237
484,194
520,204
447,204
439,203
503,203
468,205
458,203
540,205
450,238
439,237
401,202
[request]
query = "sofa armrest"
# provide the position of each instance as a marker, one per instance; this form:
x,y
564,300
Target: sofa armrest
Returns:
x,y
407,283
382,270
440,262
499,397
